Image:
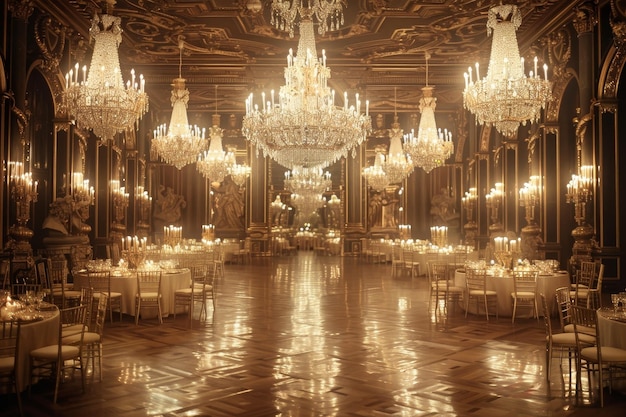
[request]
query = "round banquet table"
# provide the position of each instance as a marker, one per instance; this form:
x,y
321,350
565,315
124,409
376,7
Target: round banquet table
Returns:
x,y
126,284
612,327
34,335
503,285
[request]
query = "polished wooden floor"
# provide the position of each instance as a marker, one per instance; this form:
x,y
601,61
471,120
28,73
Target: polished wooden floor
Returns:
x,y
311,335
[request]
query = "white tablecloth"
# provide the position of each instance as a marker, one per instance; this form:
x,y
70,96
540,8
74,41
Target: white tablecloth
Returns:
x,y
33,336
127,285
546,284
612,332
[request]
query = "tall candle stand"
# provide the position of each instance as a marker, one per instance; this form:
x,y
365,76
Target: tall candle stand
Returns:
x,y
120,203
144,206
493,203
24,193
471,227
579,192
529,198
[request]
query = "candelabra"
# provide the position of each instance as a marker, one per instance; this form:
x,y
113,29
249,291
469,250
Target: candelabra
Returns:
x,y
404,231
144,205
172,235
493,203
120,203
471,227
529,198
134,250
506,250
579,192
23,192
83,196
439,235
208,232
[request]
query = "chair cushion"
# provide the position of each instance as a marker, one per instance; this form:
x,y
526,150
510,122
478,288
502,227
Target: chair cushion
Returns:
x,y
50,352
7,363
523,294
567,339
609,354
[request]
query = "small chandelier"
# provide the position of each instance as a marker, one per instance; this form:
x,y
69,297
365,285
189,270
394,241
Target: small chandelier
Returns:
x,y
397,166
99,100
506,97
214,163
307,186
375,175
431,147
238,172
303,127
181,144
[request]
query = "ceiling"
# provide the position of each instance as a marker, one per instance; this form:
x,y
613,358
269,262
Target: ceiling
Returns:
x,y
378,52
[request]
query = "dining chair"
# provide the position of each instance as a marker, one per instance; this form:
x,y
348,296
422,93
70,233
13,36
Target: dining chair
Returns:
x,y
564,304
411,264
93,334
199,291
148,293
63,293
442,289
397,261
585,291
476,284
219,259
559,341
524,292
100,282
9,357
597,358
67,354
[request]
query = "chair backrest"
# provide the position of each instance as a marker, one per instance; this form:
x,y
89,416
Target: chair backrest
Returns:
x,y
587,274
476,279
100,281
585,322
9,341
5,273
148,282
86,299
524,281
73,320
564,302
101,314
546,315
42,272
438,275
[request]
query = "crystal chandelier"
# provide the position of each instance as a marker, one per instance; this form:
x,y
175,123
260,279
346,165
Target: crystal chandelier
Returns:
x,y
307,186
506,97
397,166
238,172
431,147
213,163
98,99
181,144
375,175
303,127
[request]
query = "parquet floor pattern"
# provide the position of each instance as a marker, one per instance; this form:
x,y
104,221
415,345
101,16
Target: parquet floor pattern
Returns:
x,y
310,335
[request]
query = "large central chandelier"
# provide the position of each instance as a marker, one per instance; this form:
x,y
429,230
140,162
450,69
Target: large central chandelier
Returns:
x,y
303,126
431,147
98,99
181,143
506,97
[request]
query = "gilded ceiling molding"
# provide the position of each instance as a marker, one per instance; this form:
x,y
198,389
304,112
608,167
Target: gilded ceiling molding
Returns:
x,y
585,18
50,38
616,57
21,9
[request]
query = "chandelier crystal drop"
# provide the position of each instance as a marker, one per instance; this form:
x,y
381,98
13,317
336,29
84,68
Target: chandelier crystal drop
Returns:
x,y
431,147
303,127
98,99
506,97
375,175
213,163
181,143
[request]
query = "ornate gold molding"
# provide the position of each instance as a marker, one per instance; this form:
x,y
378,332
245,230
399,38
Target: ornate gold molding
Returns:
x,y
585,18
21,9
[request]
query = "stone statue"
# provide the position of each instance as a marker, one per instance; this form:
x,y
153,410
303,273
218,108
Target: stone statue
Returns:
x,y
168,206
228,205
